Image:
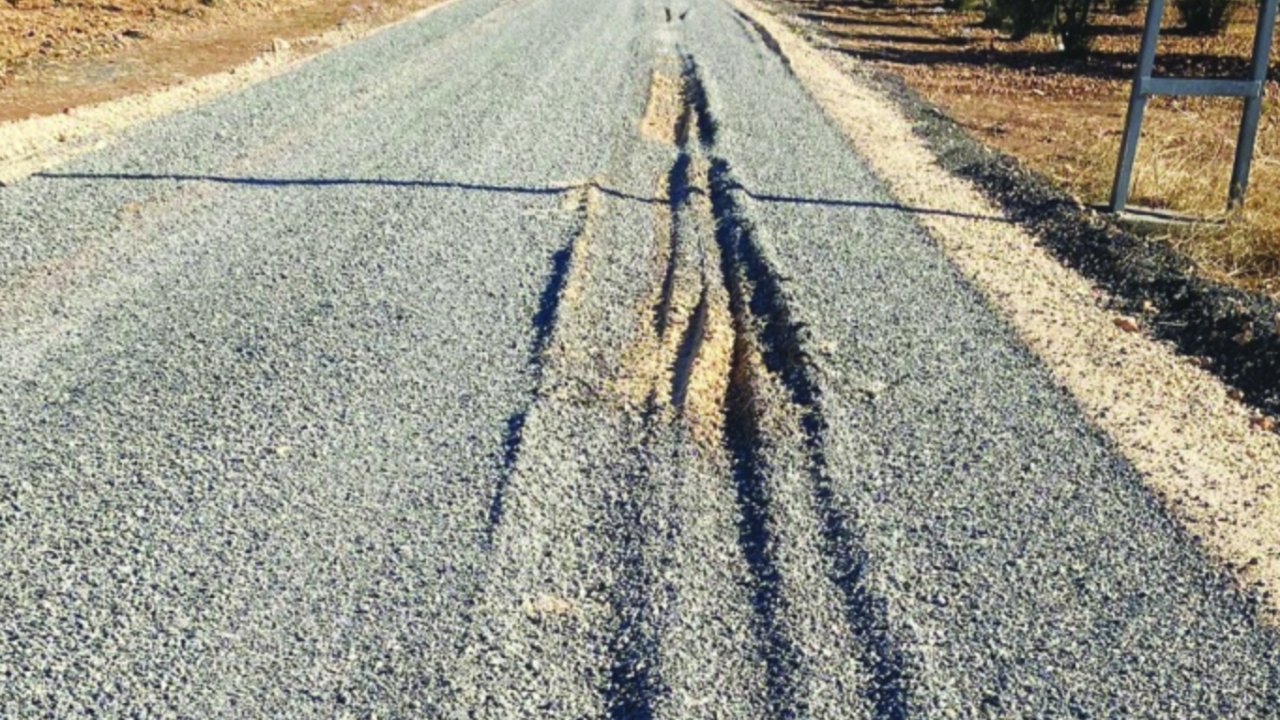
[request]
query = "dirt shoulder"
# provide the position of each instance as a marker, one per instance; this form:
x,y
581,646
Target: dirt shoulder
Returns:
x,y
57,55
55,109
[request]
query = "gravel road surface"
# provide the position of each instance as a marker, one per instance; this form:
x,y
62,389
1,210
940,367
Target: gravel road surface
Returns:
x,y
553,358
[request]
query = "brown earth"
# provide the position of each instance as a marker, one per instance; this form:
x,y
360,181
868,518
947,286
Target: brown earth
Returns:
x,y
1063,117
58,54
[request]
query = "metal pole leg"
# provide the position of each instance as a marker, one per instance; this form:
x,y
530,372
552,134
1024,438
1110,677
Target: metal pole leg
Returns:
x,y
1244,152
1252,105
1137,104
1128,150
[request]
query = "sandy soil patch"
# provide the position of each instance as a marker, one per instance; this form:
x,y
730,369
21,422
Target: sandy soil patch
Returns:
x,y
662,111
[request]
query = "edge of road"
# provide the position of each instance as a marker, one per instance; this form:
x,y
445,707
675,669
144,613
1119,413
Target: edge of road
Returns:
x,y
33,144
1233,332
1064,279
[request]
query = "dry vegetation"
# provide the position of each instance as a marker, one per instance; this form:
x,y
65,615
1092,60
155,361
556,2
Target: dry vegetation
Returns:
x,y
57,54
1063,117
33,32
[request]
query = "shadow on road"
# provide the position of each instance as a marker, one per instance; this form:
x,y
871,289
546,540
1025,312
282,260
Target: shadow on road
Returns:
x,y
504,189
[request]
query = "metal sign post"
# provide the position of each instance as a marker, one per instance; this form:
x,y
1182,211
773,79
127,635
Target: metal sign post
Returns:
x,y
1144,86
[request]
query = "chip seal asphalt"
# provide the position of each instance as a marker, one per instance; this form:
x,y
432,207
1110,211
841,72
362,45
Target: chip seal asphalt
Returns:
x,y
553,358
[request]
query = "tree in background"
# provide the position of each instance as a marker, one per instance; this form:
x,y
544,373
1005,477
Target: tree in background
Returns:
x,y
1068,18
1020,18
1205,17
1072,19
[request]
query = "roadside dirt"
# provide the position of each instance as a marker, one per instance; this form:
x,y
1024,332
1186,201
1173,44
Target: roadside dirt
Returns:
x,y
57,55
1063,117
101,94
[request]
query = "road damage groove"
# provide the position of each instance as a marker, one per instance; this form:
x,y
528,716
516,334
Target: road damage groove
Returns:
x,y
588,374
703,369
743,437
681,366
756,289
694,335
677,191
583,202
756,30
766,349
634,678
738,403
757,299
731,362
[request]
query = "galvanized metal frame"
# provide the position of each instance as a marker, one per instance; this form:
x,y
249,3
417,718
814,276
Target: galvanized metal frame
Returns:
x,y
1145,86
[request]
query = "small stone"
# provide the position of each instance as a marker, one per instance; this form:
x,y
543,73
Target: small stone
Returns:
x,y
1127,324
545,605
1265,423
1245,336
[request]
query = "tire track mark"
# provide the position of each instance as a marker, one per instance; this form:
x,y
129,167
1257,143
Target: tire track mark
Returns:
x,y
769,338
566,263
635,681
781,338
740,408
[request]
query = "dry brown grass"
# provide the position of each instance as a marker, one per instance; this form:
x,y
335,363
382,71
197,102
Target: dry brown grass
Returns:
x,y
1063,118
1184,165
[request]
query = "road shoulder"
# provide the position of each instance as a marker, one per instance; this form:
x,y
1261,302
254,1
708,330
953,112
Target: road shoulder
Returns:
x,y
1196,446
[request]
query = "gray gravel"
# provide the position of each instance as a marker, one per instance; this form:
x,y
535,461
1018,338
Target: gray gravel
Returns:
x,y
321,400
